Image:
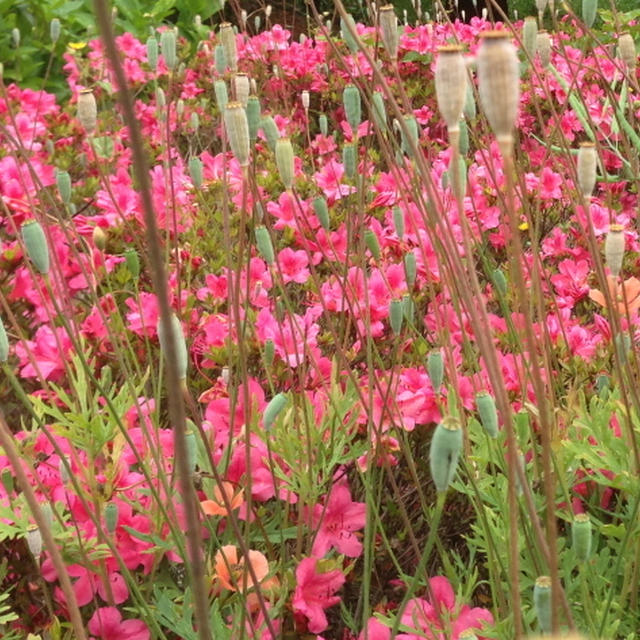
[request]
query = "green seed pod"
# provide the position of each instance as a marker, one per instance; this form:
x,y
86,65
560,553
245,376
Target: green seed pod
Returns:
x,y
446,445
396,313
265,247
350,160
389,30
398,221
35,243
152,52
181,353
54,30
63,182
15,37
542,602
603,385
499,281
220,59
530,36
4,343
488,413
622,343
269,352
435,369
168,48
285,162
581,536
272,410
132,261
228,40
379,111
321,210
161,99
459,186
371,240
352,106
350,41
253,117
270,130
463,140
409,308
191,445
222,94
111,516
7,480
589,11
257,22
237,128
194,121
410,269
323,124
34,540
469,109
195,171
411,125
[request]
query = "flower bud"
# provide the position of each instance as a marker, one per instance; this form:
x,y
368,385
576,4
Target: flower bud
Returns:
x,y
389,30
35,243
237,128
463,141
191,446
469,109
34,541
270,130
627,51
371,240
99,238
168,48
530,36
273,409
543,48
4,343
408,308
542,602
398,221
220,59
499,85
352,107
15,37
241,88
589,11
345,31
435,369
87,111
161,99
111,516
378,110
180,346
63,182
54,29
614,249
410,138
581,536
257,22
152,52
265,246
180,108
132,261
285,162
269,352
350,160
253,117
396,313
6,477
444,452
323,124
488,414
227,38
410,269
221,93
451,84
195,171
587,162
322,212
194,121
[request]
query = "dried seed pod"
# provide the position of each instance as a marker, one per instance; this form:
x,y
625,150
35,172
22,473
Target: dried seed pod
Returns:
x,y
227,37
451,85
180,345
396,316
242,88
542,602
35,243
34,540
99,238
541,5
530,36
614,249
444,452
543,48
87,111
305,99
488,413
285,162
627,51
581,536
499,84
389,30
586,169
237,128
265,246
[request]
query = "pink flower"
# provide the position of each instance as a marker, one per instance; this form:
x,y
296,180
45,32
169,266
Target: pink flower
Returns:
x,y
293,265
313,593
107,624
337,520
48,351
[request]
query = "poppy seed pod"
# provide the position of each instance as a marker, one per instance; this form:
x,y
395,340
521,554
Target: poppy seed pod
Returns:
x,y
499,84
253,117
221,93
346,33
542,602
273,409
237,128
87,111
581,536
34,540
444,452
35,243
181,354
398,221
530,36
627,51
349,160
241,87
195,171
396,313
371,240
614,249
111,516
270,130
586,169
321,210
352,106
323,124
543,48
152,52
63,182
227,38
589,11
265,246
4,343
488,414
378,110
168,48
435,369
541,5
410,269
389,30
54,29
451,85
285,162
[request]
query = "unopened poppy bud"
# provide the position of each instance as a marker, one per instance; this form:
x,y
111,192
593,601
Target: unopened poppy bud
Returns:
x,y
243,18
221,93
194,121
350,160
161,99
267,11
469,109
499,85
180,346
444,452
99,238
273,409
499,281
627,51
398,221
64,467
15,37
410,269
195,171
63,182
488,413
389,30
379,110
586,169
345,30
459,180
270,130
530,36
87,111
614,249
253,117
463,141
4,343
228,41
220,58
321,210
435,369
265,246
237,128
589,11
305,98
396,313
54,29
409,139
242,87
323,124
408,308
581,536
7,480
451,84
269,352
542,602
285,162
111,516
543,48
35,243
34,541
352,106
371,240
168,48
622,344
180,108
152,52
191,445
132,261
257,22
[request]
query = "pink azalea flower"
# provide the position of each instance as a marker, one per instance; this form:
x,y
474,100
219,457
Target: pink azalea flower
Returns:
x,y
49,349
107,624
313,593
293,265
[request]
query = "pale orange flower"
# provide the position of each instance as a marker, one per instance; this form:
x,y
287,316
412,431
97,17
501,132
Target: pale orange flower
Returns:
x,y
229,570
216,506
628,290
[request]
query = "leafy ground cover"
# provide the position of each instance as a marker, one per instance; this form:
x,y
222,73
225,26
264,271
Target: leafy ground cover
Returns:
x,y
354,356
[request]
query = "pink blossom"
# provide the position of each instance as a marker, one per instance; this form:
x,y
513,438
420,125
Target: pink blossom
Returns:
x,y
107,624
45,355
293,265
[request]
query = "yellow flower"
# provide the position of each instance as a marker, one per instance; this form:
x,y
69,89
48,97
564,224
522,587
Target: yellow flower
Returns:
x,y
76,46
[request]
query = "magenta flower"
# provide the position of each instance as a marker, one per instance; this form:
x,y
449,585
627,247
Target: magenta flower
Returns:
x,y
314,591
107,624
